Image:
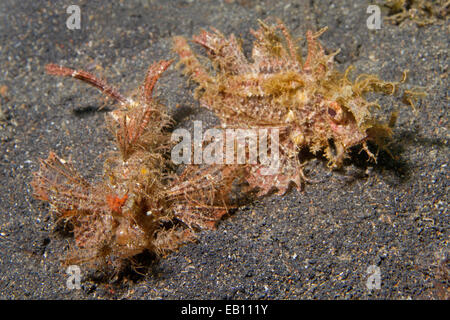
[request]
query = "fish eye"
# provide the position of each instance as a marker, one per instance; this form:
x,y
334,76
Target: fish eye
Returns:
x,y
332,112
335,111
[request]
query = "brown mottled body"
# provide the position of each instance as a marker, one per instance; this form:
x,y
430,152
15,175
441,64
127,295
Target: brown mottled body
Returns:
x,y
140,204
313,104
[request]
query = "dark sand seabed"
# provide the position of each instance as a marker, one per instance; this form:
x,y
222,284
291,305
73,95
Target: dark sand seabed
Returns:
x,y
315,244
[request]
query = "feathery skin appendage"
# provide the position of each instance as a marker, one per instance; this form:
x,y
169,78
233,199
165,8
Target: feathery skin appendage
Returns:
x,y
201,195
154,72
192,66
290,43
87,77
138,128
140,124
58,183
225,53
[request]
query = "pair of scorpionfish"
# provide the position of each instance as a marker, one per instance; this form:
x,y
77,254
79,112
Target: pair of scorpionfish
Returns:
x,y
142,204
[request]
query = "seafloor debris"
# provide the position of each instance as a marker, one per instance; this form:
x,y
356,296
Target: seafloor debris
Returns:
x,y
423,12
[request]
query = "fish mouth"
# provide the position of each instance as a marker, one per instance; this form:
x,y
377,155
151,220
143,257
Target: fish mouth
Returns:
x,y
348,136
